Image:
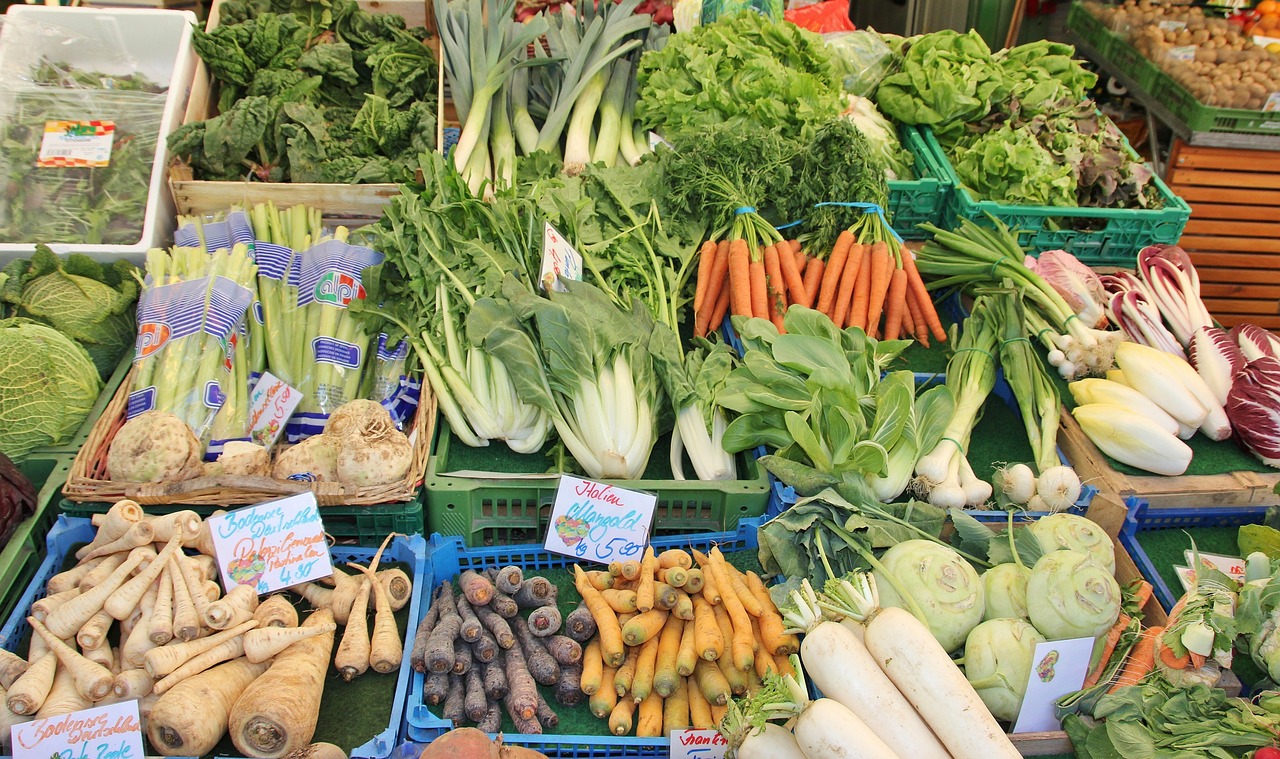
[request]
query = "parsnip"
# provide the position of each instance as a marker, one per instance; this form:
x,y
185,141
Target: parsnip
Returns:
x,y
102,654
161,624
11,668
195,584
227,650
186,621
161,661
352,658
190,718
92,680
29,691
132,683
111,525
68,618
140,638
232,609
398,586
385,648
70,578
139,534
106,565
122,603
95,630
276,611
41,608
7,720
185,525
64,697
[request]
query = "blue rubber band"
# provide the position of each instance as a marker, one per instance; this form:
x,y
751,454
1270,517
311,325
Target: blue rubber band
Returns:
x,y
744,209
781,227
866,208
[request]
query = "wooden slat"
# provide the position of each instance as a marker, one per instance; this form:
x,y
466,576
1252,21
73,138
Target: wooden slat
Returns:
x,y
1250,276
1209,256
1225,159
1266,322
1217,306
1193,194
1233,212
1224,179
1238,290
1233,228
1253,245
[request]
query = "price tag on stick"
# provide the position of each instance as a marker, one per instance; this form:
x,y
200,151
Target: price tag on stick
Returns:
x,y
1060,667
598,522
559,259
104,732
273,545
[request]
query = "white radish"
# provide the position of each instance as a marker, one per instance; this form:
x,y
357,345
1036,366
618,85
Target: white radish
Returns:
x,y
772,742
913,659
1017,483
844,671
826,729
1059,487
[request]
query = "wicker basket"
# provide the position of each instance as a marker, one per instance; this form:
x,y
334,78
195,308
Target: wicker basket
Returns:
x,y
88,479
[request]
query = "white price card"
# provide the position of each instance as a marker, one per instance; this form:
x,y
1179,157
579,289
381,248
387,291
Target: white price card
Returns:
x,y
693,743
76,144
271,403
104,732
559,259
273,545
598,522
1059,667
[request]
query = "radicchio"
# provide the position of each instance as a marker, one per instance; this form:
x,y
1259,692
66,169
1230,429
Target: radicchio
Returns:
x,y
1253,405
1255,342
1173,281
1078,285
1217,359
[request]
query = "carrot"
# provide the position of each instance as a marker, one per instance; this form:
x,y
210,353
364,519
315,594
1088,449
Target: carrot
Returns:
x,y
907,327
664,596
621,601
665,674
649,721
93,681
742,643
262,643
278,711
675,709
740,301
894,305
859,309
706,263
783,664
1168,657
630,570
772,631
812,280
759,295
600,580
569,686
534,592
607,626
644,626
1142,659
674,557
433,648
836,264
508,579
748,599
699,708
800,256
478,590
712,683
1143,593
646,666
625,677
676,577
695,582
592,668
621,716
916,285
644,592
919,329
719,311
565,650
29,691
791,276
882,264
605,698
687,656
842,311
684,606
737,679
776,297
710,590
718,712
1113,637
708,641
764,661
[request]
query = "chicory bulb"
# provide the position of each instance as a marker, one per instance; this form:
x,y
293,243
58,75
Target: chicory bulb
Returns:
x,y
1057,532
998,656
944,586
1070,595
1005,587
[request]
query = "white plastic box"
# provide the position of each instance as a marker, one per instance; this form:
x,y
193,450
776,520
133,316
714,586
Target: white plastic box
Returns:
x,y
158,42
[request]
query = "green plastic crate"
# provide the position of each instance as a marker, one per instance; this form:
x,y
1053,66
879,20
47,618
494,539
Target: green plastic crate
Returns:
x,y
1092,31
1096,236
363,525
506,511
26,548
1204,118
73,444
1141,69
920,200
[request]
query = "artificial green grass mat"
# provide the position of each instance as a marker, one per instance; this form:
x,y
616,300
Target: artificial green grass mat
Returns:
x,y
578,720
922,360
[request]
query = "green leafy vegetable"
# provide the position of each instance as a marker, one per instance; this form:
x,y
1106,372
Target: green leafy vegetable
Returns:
x,y
47,386
1259,537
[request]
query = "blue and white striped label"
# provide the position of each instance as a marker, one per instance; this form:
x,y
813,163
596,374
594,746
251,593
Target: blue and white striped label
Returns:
x,y
329,273
274,261
327,350
218,235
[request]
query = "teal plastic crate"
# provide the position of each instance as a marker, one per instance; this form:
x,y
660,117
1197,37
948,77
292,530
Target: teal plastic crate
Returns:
x,y
1096,236
22,555
921,200
410,550
1205,118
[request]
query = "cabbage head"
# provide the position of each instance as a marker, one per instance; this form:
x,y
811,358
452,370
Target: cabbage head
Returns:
x,y
998,656
47,386
945,588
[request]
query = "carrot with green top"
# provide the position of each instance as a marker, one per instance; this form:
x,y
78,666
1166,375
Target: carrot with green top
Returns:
x,y
882,263
759,291
916,285
848,285
739,279
777,301
792,278
706,263
834,272
1142,659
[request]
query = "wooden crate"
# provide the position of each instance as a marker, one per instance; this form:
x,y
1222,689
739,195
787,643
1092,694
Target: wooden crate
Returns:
x,y
1187,491
1234,233
340,202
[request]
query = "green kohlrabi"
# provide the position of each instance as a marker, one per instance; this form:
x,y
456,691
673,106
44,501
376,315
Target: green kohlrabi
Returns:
x,y
998,656
1069,595
1058,532
936,584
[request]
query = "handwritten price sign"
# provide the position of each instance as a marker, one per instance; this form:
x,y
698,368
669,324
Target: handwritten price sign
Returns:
x,y
692,743
273,545
598,522
105,732
559,259
270,405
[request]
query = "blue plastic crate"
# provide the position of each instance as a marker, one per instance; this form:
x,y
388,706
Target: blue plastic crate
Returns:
x,y
448,557
411,550
1142,517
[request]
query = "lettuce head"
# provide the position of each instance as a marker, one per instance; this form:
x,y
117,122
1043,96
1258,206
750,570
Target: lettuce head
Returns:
x,y
48,383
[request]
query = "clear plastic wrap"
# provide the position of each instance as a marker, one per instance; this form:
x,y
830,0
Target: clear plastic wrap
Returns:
x,y
862,59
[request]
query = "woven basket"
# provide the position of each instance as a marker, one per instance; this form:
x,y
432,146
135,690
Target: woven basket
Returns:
x,y
89,482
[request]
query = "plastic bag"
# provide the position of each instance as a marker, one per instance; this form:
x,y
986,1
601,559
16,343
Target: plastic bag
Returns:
x,y
35,53
863,60
714,9
823,17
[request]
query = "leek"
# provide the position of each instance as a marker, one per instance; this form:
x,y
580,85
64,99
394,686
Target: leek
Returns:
x,y
1039,401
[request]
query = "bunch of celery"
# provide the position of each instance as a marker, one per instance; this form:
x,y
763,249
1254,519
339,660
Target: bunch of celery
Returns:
x,y
281,235
192,305
446,248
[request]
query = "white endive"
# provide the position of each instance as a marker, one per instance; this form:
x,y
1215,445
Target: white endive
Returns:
x,y
1133,439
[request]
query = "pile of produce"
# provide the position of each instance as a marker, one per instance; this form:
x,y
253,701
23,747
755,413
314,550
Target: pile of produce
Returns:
x,y
312,93
17,498
137,617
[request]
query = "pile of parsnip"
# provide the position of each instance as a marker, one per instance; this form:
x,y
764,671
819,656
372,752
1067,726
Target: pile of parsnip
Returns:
x,y
200,663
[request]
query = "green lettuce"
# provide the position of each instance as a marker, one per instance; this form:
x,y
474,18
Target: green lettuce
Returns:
x,y
947,78
1011,166
47,386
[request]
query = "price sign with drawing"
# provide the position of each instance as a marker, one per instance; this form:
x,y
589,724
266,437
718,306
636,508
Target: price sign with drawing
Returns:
x,y
273,545
104,732
559,259
270,405
598,522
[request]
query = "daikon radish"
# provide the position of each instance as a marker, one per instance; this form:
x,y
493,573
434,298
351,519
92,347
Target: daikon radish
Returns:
x,y
140,639
190,718
67,619
262,643
139,534
122,603
111,525
186,621
772,742
64,697
276,611
844,671
227,650
106,565
70,579
916,663
277,713
92,680
29,691
161,661
185,525
132,683
161,624
232,609
41,608
11,667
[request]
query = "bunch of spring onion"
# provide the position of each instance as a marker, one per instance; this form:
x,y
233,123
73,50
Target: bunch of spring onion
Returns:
x,y
944,474
973,256
445,249
1040,406
191,307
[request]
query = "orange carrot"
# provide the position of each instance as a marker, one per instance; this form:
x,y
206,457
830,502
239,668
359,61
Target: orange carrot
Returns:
x,y
835,270
908,328
895,304
812,280
718,313
1163,651
916,285
706,262
740,279
861,304
848,279
759,294
1142,659
802,260
791,277
919,330
777,304
1113,637
881,265
1143,594
716,285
